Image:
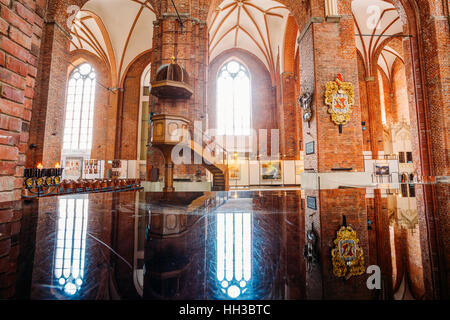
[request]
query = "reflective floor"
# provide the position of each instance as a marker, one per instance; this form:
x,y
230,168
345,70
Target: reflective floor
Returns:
x,y
214,245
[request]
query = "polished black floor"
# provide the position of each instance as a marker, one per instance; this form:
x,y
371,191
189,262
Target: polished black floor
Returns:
x,y
135,245
138,245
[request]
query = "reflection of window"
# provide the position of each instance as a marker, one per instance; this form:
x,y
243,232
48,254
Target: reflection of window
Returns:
x,y
407,186
80,109
71,244
412,190
233,100
234,256
401,157
404,190
409,157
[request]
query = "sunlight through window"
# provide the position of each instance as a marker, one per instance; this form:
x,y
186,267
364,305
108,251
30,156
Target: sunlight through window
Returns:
x,y
80,109
233,100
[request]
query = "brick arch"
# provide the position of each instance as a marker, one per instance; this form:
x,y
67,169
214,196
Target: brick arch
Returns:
x,y
290,39
128,108
81,55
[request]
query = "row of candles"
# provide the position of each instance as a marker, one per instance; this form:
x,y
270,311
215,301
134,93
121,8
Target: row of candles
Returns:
x,y
40,172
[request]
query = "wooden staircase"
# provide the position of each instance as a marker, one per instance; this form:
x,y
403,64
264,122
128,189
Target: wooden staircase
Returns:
x,y
171,130
218,170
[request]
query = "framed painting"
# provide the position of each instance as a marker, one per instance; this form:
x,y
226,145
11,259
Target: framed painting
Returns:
x,y
381,170
271,171
235,171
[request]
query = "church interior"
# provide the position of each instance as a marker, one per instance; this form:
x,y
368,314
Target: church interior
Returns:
x,y
224,149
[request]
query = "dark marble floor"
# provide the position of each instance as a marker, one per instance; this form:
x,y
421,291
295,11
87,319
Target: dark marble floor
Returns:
x,y
137,245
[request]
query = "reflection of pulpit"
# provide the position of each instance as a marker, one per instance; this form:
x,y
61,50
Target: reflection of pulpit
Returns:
x,y
174,244
167,254
168,131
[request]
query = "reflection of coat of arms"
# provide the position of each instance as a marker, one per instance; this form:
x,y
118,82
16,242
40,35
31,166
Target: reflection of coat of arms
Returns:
x,y
347,256
339,98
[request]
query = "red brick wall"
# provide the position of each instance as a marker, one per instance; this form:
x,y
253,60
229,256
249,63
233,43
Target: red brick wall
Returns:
x,y
10,225
399,91
307,84
128,111
333,205
362,74
191,51
21,24
290,118
333,150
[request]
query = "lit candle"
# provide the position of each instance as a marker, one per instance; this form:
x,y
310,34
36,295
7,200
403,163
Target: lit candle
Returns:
x,y
39,170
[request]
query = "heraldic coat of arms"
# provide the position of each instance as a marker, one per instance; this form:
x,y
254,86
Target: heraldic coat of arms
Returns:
x,y
339,97
347,256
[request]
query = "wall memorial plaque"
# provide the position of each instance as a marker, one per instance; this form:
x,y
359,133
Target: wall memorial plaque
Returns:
x,y
310,147
311,202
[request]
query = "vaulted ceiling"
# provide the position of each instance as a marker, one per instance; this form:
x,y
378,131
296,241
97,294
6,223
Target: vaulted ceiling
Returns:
x,y
257,26
116,31
375,20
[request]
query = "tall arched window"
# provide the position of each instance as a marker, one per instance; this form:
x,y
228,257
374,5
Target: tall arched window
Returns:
x,y
233,100
80,110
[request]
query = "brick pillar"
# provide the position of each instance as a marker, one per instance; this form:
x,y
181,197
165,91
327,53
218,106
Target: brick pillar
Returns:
x,y
20,36
290,144
434,37
10,215
47,125
327,48
189,45
317,67
380,227
374,125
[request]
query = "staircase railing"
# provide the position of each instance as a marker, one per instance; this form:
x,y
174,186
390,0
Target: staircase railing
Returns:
x,y
211,144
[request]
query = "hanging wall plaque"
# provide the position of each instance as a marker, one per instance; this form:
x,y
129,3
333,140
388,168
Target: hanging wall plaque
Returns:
x,y
339,97
347,255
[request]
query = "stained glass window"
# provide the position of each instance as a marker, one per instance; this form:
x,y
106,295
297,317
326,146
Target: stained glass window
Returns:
x,y
233,100
80,109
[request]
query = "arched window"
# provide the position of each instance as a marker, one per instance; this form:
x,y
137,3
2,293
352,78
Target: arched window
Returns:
x,y
80,109
233,100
